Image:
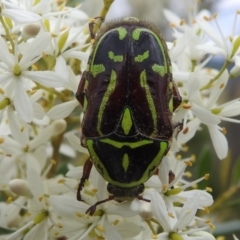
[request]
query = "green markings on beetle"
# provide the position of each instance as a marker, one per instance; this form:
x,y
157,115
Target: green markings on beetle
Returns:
x,y
143,82
126,123
142,57
136,33
125,162
110,89
132,145
115,58
161,70
155,162
122,32
96,69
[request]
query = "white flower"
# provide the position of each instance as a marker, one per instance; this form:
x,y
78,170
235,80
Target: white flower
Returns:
x,y
206,110
17,13
220,44
61,44
188,37
41,221
175,223
73,211
17,78
31,151
63,110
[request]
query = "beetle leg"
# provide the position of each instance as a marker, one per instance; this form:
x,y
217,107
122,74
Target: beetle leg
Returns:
x,y
81,91
86,172
139,197
92,209
93,25
177,99
178,125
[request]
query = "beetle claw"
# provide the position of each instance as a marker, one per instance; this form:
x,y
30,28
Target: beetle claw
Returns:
x,y
90,211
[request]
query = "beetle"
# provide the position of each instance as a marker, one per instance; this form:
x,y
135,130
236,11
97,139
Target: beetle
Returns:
x,y
128,96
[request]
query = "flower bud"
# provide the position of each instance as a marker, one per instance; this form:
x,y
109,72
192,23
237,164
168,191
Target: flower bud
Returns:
x,y
20,187
59,126
235,72
30,30
145,211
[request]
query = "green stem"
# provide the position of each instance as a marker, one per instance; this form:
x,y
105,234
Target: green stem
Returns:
x,y
107,5
8,35
208,85
149,223
100,19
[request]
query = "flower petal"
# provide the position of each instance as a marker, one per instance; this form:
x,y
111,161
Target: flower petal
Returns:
x,y
34,50
128,230
189,131
204,115
35,183
5,55
75,142
22,102
46,78
187,213
62,110
19,129
83,56
230,109
172,17
219,141
163,173
218,88
206,198
20,16
160,210
39,230
111,232
211,32
38,111
61,67
71,206
202,235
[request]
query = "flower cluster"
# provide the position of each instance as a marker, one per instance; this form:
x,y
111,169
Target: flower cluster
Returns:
x,y
44,48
